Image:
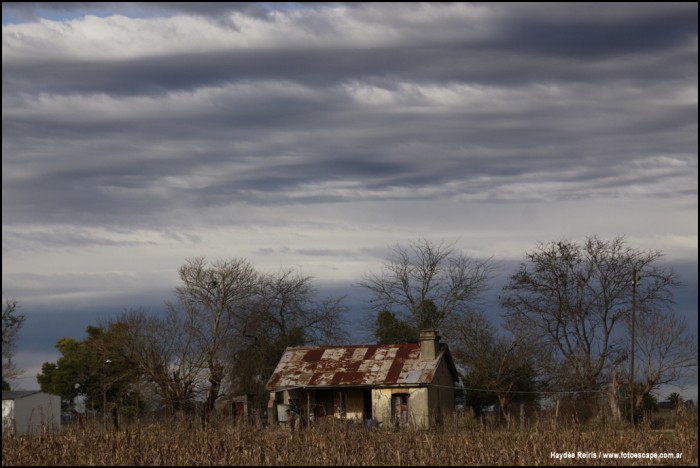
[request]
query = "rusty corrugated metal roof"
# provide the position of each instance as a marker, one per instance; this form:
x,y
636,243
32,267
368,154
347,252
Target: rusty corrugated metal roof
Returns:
x,y
330,366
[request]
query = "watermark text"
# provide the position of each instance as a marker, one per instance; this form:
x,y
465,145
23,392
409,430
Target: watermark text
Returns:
x,y
616,455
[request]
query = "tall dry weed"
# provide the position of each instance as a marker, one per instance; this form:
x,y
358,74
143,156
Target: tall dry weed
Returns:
x,y
184,443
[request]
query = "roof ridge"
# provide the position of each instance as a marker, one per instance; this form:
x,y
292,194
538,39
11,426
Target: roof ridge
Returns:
x,y
354,346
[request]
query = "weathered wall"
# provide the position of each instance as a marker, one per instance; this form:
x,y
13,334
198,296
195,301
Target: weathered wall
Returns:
x,y
441,397
354,404
354,401
417,405
426,405
35,414
8,415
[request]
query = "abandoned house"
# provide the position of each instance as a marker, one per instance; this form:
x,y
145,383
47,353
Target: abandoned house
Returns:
x,y
397,384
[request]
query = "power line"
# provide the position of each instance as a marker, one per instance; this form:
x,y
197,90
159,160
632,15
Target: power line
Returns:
x,y
543,392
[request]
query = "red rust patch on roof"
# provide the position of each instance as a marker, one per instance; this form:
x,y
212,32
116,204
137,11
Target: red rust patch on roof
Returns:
x,y
313,355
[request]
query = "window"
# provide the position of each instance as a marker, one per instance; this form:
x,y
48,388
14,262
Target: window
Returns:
x,y
399,408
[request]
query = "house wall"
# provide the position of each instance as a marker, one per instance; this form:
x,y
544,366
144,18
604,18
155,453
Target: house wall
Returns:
x,y
354,404
354,401
36,414
441,395
426,405
8,415
417,405
293,394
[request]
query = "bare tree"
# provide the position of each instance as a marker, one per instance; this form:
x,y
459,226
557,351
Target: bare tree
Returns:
x,y
575,298
426,284
12,321
286,312
166,355
229,325
666,352
215,297
287,300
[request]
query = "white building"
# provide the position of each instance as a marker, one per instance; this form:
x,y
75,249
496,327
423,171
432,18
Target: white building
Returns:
x,y
30,412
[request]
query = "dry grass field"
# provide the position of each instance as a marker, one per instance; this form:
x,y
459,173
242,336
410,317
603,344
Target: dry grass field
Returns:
x,y
458,443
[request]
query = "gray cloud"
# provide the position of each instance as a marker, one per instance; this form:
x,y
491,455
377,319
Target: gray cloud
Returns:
x,y
315,135
61,238
582,40
136,135
32,11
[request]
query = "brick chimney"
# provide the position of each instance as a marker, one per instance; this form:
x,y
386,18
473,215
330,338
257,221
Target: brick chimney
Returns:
x,y
429,345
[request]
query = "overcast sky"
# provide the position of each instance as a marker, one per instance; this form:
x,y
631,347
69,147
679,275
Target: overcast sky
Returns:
x,y
315,135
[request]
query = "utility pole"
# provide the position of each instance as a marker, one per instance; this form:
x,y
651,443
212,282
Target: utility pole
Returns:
x,y
104,393
104,406
634,310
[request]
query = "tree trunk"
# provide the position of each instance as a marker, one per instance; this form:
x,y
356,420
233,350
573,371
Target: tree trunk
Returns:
x,y
215,378
613,399
503,403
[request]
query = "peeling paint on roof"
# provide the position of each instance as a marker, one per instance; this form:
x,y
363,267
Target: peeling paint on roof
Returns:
x,y
370,365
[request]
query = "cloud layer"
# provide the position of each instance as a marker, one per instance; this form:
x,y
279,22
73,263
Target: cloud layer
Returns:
x,y
313,135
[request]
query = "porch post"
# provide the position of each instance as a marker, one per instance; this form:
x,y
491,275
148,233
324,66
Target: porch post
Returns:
x,y
308,407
